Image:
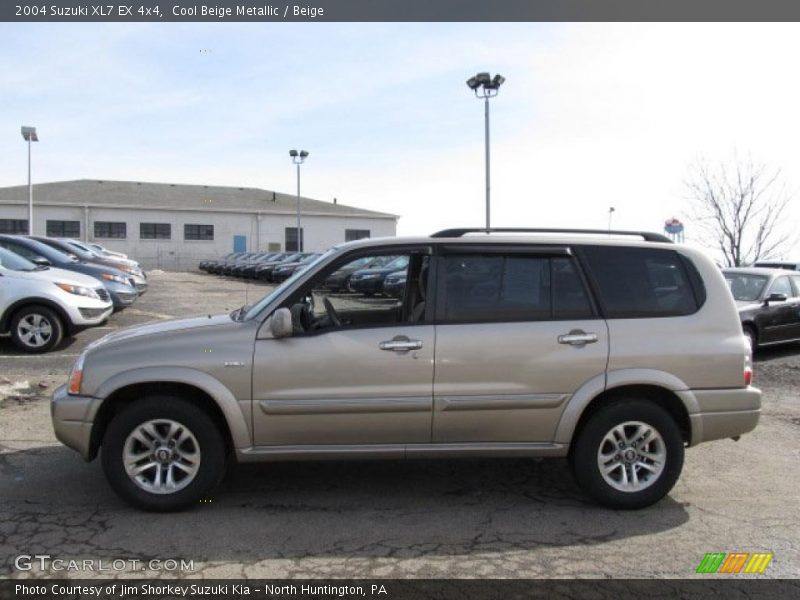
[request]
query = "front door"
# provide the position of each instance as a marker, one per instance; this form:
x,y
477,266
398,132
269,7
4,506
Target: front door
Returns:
x,y
357,370
778,319
516,335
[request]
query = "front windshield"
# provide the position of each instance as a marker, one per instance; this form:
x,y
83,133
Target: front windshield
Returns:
x,y
256,308
746,287
14,262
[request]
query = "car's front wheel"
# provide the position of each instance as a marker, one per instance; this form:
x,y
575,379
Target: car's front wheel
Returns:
x,y
629,454
163,453
36,329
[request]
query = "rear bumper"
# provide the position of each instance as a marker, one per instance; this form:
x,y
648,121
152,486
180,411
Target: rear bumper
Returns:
x,y
722,414
72,418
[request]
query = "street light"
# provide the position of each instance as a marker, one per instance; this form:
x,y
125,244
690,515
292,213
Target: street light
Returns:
x,y
485,86
29,135
298,158
611,211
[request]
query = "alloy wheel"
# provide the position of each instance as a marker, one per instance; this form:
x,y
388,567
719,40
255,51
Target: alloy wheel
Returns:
x,y
161,456
631,456
34,330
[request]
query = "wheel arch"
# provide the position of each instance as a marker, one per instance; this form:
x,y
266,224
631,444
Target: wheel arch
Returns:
x,y
662,388
195,386
8,315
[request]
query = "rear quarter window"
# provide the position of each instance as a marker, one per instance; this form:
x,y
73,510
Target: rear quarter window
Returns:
x,y
644,282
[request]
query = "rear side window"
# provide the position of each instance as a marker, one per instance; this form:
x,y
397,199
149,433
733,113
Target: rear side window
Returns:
x,y
497,287
642,282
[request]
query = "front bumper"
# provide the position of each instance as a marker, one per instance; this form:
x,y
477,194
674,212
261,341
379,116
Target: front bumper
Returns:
x,y
73,417
722,413
122,297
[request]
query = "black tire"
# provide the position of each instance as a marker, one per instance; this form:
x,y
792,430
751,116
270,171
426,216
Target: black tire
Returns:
x,y
46,316
584,455
213,458
752,337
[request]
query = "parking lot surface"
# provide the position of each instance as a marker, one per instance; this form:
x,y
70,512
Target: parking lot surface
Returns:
x,y
454,518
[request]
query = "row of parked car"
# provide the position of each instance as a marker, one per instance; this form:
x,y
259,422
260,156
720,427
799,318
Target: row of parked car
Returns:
x,y
273,267
370,276
52,287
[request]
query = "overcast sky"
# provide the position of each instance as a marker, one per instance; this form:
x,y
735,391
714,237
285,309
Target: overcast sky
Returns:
x,y
591,115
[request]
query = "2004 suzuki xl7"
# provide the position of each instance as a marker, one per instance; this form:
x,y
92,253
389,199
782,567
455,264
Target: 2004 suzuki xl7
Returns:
x,y
615,351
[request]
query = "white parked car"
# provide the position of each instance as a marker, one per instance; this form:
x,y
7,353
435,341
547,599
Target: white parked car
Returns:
x,y
103,250
38,305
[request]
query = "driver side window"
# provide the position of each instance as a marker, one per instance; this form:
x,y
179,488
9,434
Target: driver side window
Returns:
x,y
367,291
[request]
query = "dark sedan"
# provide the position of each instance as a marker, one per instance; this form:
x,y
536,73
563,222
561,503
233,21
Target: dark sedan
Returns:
x,y
395,284
370,281
264,270
339,281
119,284
282,272
769,304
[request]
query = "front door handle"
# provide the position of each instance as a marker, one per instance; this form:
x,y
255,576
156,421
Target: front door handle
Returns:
x,y
400,343
577,337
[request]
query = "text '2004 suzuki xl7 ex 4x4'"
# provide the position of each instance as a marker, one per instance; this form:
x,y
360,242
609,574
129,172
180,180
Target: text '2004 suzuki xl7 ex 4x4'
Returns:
x,y
615,351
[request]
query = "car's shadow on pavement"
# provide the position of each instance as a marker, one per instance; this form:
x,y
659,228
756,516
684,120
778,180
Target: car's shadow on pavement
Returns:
x,y
56,504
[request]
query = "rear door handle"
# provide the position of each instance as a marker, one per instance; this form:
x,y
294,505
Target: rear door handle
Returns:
x,y
577,337
400,344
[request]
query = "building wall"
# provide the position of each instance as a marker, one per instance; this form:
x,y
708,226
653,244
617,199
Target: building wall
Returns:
x,y
261,231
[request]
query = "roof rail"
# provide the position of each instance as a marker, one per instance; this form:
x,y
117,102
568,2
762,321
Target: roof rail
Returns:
x,y
645,235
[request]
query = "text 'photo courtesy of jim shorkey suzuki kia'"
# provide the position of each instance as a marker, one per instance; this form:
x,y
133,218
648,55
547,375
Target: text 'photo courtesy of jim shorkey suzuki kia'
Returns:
x,y
616,351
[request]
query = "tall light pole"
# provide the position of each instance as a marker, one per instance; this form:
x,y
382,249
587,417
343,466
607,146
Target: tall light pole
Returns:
x,y
298,158
29,135
611,210
485,86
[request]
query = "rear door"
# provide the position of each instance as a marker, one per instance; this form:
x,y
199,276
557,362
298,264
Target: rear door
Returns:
x,y
516,334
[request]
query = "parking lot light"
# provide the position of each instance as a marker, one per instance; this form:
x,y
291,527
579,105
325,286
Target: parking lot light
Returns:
x,y
298,158
485,86
29,135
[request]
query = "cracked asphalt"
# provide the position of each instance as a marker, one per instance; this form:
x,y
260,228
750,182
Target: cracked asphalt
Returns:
x,y
453,518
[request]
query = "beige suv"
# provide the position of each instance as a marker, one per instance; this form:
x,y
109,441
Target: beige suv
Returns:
x,y
614,351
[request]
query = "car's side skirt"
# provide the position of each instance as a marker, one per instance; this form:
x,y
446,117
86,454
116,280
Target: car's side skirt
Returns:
x,y
399,451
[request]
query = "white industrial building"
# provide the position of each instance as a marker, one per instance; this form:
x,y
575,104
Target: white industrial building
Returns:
x,y
174,226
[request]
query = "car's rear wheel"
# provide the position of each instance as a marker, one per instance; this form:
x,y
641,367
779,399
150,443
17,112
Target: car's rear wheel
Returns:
x,y
36,329
629,454
163,453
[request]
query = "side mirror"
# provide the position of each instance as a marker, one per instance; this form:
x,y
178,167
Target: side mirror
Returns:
x,y
775,298
281,324
41,261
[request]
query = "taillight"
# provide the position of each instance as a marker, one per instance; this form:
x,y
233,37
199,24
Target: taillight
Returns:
x,y
748,365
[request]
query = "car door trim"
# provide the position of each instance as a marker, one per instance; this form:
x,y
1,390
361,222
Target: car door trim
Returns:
x,y
498,402
345,406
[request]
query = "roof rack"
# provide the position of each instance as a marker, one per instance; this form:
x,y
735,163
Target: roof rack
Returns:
x,y
645,235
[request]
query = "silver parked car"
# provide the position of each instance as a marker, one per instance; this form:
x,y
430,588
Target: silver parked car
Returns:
x,y
615,351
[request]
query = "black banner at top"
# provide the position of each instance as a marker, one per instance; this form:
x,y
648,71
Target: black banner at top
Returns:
x,y
397,10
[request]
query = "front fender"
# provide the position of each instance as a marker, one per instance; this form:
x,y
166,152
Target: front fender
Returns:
x,y
222,396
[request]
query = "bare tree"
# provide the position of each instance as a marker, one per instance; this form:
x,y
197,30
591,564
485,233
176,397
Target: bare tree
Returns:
x,y
738,208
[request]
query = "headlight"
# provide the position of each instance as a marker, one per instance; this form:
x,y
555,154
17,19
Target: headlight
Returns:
x,y
78,290
115,278
76,376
